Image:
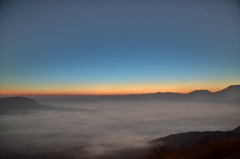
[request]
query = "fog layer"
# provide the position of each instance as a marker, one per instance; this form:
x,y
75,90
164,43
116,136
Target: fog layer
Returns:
x,y
112,126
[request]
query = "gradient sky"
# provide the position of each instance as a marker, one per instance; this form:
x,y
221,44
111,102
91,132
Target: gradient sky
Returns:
x,y
118,47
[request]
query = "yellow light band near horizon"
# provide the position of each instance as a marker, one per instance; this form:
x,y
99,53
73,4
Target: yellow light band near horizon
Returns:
x,y
113,89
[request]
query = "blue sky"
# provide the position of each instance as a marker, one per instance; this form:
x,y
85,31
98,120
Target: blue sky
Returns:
x,y
96,43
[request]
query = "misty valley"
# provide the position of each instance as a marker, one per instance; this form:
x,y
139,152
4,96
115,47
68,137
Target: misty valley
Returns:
x,y
112,126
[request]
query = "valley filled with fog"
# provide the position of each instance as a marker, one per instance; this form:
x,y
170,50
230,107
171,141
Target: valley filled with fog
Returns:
x,y
105,126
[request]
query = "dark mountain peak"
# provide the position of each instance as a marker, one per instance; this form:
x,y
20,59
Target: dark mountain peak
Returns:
x,y
200,92
232,88
231,93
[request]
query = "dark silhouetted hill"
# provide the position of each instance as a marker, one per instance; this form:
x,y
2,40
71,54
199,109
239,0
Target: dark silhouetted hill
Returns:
x,y
192,138
21,103
200,93
12,105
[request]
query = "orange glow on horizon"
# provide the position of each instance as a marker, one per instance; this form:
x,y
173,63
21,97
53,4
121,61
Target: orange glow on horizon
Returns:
x,y
112,89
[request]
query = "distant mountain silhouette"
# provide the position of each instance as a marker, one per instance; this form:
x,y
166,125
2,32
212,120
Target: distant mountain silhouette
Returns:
x,y
11,105
231,89
192,138
200,92
22,103
229,94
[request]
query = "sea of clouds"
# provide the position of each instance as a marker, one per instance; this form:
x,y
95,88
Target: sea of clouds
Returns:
x,y
111,127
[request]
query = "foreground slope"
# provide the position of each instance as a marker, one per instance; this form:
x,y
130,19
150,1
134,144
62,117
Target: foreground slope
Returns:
x,y
192,138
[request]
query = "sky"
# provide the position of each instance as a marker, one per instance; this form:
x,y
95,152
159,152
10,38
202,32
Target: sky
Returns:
x,y
118,47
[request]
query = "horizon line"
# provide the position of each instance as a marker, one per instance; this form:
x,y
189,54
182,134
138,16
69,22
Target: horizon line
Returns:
x,y
113,94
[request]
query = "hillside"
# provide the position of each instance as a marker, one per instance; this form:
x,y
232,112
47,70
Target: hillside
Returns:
x,y
193,138
198,145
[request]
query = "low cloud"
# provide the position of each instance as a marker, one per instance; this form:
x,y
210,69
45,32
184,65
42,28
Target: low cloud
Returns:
x,y
114,128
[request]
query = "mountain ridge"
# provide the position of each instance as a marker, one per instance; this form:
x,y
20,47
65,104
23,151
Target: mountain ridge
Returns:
x,y
229,94
235,87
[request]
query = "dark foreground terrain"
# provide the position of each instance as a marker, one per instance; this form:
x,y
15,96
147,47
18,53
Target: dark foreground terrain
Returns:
x,y
198,145
190,145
